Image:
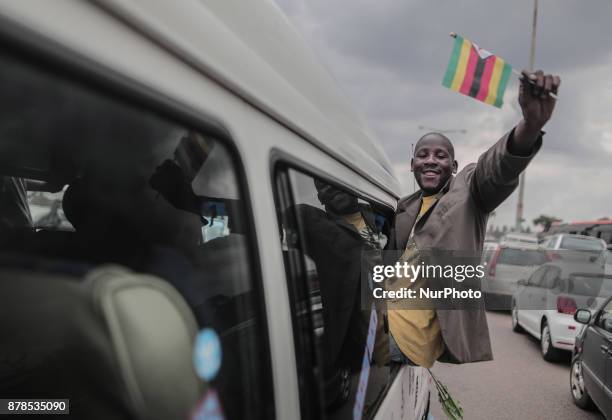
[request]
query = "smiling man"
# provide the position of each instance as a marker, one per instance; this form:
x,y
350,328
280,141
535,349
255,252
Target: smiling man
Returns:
x,y
450,213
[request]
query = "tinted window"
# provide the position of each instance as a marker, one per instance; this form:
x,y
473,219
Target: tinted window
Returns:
x,y
605,317
537,276
551,278
88,181
520,257
586,285
581,244
606,287
332,229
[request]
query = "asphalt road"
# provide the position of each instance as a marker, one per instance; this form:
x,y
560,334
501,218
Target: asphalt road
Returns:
x,y
518,384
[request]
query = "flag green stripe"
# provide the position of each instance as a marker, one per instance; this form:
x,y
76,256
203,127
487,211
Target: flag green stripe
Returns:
x,y
499,100
452,65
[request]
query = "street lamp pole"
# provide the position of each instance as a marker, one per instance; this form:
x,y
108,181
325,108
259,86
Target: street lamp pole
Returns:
x,y
521,191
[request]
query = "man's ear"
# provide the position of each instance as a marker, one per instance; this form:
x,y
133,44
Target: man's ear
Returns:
x,y
455,166
411,164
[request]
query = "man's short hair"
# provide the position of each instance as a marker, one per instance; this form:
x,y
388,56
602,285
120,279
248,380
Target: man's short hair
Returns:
x,y
451,148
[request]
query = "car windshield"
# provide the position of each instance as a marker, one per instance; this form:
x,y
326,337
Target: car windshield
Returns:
x,y
523,257
581,244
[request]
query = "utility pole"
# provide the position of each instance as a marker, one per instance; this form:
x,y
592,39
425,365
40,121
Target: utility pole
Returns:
x,y
521,191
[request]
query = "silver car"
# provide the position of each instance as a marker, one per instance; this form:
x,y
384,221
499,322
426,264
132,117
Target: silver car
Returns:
x,y
509,263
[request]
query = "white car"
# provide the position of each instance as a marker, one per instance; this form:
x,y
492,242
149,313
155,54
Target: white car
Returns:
x,y
509,263
545,303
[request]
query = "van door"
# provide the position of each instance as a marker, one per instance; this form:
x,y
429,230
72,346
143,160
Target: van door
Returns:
x,y
331,237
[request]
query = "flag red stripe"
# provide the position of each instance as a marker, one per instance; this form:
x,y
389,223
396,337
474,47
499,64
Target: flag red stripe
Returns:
x,y
469,72
486,78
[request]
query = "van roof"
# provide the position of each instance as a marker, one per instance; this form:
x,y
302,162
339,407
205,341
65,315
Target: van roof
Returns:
x,y
300,92
255,52
297,90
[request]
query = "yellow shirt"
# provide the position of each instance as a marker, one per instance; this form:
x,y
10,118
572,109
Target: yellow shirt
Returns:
x,y
417,331
356,220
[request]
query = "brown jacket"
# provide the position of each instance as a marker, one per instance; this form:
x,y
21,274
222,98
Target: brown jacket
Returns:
x,y
457,222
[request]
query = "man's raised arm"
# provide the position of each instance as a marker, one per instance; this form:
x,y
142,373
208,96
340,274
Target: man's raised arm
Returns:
x,y
496,173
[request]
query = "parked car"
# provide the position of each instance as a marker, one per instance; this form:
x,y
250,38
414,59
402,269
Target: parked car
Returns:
x,y
509,263
590,372
544,304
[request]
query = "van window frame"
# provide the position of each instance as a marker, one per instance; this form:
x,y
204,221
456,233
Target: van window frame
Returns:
x,y
53,58
280,164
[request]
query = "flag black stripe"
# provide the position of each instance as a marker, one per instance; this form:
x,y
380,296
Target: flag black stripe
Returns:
x,y
477,76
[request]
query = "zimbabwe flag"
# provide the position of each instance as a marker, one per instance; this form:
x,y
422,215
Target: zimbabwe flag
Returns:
x,y
477,73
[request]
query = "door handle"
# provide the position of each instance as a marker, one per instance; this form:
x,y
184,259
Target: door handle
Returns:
x,y
604,349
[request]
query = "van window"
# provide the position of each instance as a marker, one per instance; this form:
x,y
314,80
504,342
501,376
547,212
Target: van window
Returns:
x,y
88,181
335,235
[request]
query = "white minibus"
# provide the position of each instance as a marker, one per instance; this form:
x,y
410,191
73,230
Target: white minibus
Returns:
x,y
184,201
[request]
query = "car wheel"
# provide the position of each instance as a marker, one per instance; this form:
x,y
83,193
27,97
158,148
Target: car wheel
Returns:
x,y
579,392
515,324
549,353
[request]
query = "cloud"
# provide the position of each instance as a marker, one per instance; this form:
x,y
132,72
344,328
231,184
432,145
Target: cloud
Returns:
x,y
389,57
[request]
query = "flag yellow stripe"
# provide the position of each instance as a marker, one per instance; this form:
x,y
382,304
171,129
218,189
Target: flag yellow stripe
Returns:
x,y
461,65
494,83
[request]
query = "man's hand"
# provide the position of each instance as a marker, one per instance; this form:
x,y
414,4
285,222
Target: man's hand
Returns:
x,y
534,97
537,106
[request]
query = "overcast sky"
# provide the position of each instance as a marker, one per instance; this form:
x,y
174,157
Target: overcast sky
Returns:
x,y
389,58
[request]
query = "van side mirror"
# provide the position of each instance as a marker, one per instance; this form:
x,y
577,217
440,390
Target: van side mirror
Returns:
x,y
582,316
522,282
